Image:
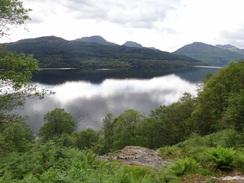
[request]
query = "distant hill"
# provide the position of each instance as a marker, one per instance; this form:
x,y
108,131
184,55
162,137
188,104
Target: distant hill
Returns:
x,y
95,39
136,45
132,44
209,54
231,48
56,52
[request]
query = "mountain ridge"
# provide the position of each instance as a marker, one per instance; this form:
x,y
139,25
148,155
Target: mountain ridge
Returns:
x,y
209,54
95,39
132,44
231,48
56,52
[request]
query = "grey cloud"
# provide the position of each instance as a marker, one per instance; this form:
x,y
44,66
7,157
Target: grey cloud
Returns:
x,y
127,13
142,14
234,37
89,113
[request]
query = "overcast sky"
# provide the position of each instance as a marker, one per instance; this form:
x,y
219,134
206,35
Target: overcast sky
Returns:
x,y
163,24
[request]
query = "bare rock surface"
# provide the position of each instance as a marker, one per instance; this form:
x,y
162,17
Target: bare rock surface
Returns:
x,y
232,179
136,155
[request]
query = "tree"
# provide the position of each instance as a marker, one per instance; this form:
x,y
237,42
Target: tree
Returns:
x,y
15,86
12,12
169,125
56,123
86,139
214,98
234,113
15,78
15,74
125,128
107,133
15,137
15,68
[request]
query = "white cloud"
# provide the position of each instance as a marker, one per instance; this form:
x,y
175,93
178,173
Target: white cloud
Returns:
x,y
164,24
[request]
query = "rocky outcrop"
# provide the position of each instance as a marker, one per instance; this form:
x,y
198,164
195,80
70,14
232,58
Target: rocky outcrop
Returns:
x,y
137,156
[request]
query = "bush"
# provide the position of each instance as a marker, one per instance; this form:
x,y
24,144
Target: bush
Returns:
x,y
170,152
225,138
184,166
222,158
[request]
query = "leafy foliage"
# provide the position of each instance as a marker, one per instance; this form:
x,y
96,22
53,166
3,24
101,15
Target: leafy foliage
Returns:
x,y
168,125
51,163
125,128
214,99
15,137
86,139
15,74
12,12
225,138
184,166
57,123
222,158
234,112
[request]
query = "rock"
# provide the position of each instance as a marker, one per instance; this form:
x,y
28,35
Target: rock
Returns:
x,y
233,179
137,156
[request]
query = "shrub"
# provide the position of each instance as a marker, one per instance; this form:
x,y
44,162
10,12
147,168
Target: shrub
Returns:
x,y
170,152
222,158
184,166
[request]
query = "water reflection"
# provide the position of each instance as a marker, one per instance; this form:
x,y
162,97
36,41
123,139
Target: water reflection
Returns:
x,y
89,102
54,77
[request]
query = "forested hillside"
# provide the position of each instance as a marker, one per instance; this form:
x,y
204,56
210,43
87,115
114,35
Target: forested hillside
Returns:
x,y
209,54
57,52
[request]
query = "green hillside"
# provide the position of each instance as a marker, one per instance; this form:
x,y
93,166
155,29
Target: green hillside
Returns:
x,y
56,52
209,54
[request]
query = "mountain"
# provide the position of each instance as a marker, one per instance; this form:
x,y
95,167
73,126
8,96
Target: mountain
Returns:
x,y
231,48
56,52
95,39
132,44
209,54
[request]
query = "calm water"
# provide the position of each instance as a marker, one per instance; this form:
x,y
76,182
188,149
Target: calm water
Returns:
x,y
90,95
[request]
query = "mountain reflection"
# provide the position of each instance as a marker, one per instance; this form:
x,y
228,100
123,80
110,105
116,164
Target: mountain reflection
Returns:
x,y
89,102
54,77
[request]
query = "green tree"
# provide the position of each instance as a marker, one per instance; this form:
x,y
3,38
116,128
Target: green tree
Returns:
x,y
12,12
56,123
125,128
15,68
15,137
214,98
150,133
15,73
107,132
168,125
86,139
234,114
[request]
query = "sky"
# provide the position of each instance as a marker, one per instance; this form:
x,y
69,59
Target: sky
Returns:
x,y
164,24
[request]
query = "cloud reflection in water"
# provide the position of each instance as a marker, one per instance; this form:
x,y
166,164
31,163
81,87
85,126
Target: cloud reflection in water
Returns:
x,y
89,103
